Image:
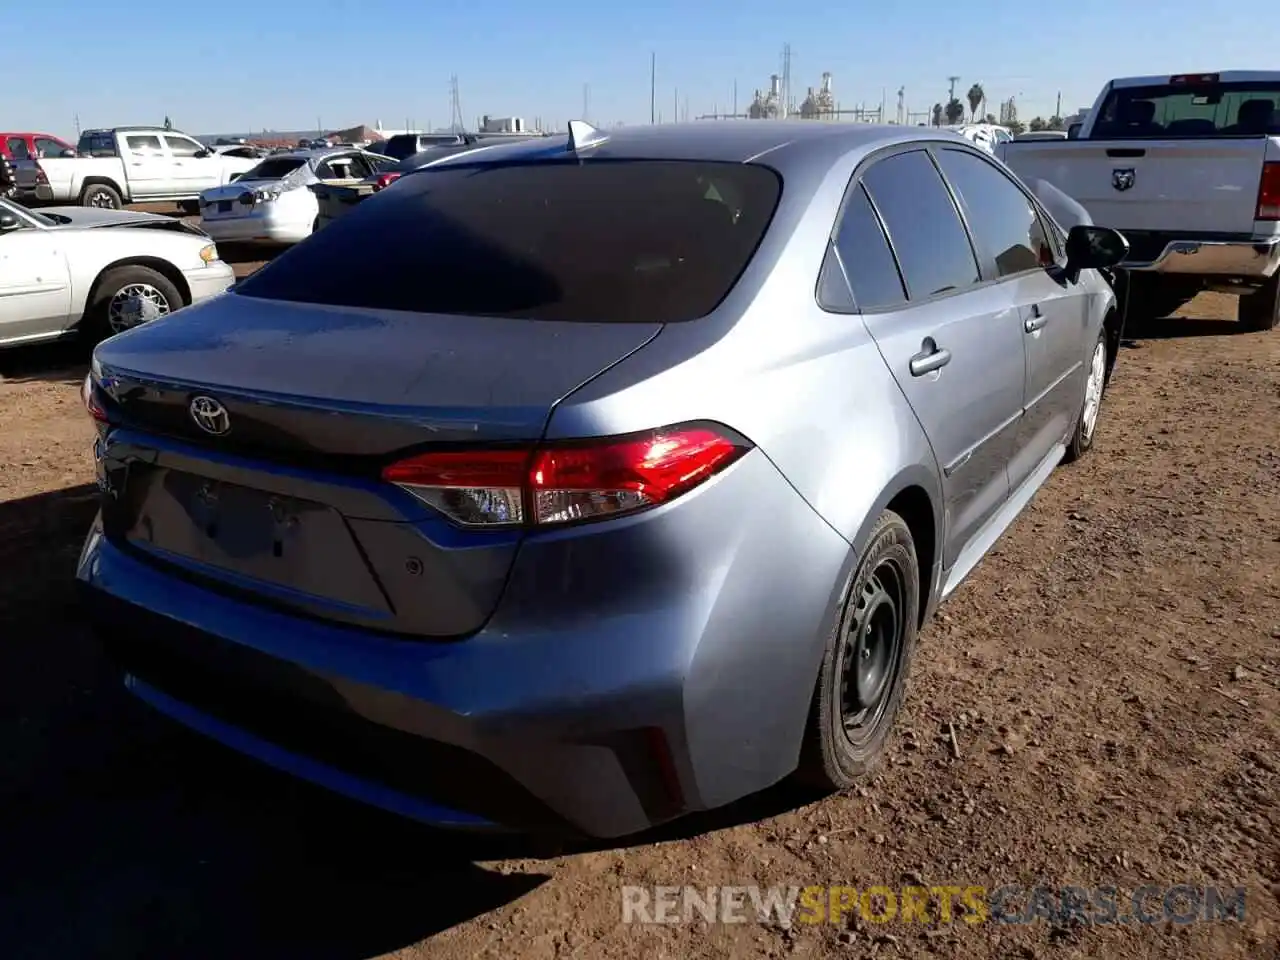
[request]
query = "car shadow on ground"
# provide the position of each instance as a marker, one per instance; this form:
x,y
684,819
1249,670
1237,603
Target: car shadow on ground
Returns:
x,y
124,835
1178,328
66,361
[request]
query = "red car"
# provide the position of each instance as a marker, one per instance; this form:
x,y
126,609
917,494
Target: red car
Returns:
x,y
32,146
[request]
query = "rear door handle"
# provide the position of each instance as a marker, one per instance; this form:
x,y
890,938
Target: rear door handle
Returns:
x,y
1036,320
930,358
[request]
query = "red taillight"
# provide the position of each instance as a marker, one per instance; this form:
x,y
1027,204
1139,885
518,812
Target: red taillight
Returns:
x,y
560,483
91,402
384,180
41,176
1192,79
1269,193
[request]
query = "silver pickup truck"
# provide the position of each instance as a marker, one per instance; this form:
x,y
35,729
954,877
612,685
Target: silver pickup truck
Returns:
x,y
1187,167
112,168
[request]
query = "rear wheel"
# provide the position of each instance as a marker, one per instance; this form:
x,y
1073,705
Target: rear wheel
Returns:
x,y
102,196
125,297
864,671
1260,311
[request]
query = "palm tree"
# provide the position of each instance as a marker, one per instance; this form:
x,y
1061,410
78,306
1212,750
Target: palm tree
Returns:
x,y
937,114
975,96
954,110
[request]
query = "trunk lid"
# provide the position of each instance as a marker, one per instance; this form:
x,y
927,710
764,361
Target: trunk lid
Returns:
x,y
1198,187
335,381
286,507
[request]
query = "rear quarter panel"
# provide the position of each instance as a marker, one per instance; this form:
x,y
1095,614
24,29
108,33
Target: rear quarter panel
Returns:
x,y
809,388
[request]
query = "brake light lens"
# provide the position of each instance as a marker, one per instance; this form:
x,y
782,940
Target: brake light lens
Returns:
x,y
384,180
1269,193
90,401
41,176
561,483
1192,79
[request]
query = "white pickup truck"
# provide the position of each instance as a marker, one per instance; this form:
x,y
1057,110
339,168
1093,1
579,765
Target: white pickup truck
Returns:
x,y
138,165
1187,167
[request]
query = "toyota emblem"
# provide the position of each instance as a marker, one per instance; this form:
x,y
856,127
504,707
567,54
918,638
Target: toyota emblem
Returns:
x,y
210,416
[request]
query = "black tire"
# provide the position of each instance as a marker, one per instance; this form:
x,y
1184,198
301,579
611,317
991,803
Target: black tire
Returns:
x,y
1260,311
835,756
96,324
1083,435
101,195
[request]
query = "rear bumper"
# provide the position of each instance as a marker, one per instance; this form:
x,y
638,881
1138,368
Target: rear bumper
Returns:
x,y
601,698
1244,258
249,229
42,193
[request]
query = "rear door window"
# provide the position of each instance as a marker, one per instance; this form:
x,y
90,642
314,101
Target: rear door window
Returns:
x,y
144,145
18,148
924,227
605,240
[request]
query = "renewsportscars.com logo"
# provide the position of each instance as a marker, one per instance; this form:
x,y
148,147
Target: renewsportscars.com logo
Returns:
x,y
941,904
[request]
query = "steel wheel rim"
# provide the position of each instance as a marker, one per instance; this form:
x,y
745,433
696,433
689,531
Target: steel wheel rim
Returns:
x,y
1093,390
871,652
133,304
102,201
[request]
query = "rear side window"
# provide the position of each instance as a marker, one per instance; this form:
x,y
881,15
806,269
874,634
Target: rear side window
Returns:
x,y
1178,111
274,168
1003,220
612,241
923,225
142,144
864,251
18,149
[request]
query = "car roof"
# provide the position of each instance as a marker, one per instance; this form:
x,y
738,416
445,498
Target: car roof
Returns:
x,y
786,143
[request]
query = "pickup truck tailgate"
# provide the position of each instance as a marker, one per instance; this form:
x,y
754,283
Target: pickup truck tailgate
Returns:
x,y
1206,186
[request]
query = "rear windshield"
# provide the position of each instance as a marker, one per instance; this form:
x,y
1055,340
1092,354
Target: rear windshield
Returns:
x,y
96,145
1174,112
605,240
274,168
401,146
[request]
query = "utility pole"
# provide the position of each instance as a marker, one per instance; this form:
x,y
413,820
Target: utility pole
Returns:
x,y
951,92
785,106
456,122
77,126
653,88
1058,110
902,108
735,99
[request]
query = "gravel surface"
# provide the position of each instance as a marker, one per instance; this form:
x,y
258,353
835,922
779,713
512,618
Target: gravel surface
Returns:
x,y
1110,675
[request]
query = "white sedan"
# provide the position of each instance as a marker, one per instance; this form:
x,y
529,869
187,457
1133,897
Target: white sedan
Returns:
x,y
271,202
64,269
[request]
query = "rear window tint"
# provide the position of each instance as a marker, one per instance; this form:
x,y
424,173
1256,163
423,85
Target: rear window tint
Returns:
x,y
274,168
1176,111
605,240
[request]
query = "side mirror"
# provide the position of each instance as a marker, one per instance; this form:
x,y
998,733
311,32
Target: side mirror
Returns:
x,y
1091,247
201,154
8,222
67,154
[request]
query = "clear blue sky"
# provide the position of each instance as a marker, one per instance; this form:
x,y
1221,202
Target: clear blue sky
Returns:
x,y
231,65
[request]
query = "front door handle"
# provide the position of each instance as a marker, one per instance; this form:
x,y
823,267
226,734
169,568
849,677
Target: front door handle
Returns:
x,y
1036,320
930,358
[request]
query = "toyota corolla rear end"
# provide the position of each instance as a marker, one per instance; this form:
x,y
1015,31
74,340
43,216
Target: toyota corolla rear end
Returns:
x,y
268,203
337,533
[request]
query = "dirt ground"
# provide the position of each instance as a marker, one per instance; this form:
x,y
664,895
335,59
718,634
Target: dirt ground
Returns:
x,y
1111,674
